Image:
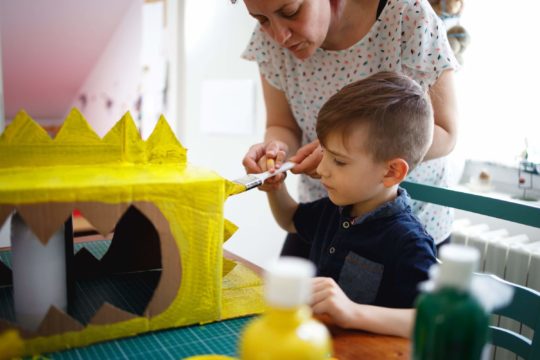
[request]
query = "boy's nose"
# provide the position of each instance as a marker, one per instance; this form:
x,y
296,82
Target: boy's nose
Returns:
x,y
320,169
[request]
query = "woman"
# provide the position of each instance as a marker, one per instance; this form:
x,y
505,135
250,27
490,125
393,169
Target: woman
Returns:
x,y
309,49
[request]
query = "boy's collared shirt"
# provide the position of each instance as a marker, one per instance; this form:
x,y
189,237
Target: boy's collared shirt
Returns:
x,y
378,258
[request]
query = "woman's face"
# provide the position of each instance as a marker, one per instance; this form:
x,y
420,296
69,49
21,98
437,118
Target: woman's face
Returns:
x,y
300,26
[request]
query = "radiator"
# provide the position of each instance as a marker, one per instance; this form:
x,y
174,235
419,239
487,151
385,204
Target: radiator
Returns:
x,y
515,258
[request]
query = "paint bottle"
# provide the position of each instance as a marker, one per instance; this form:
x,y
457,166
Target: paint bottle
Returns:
x,y
287,329
450,322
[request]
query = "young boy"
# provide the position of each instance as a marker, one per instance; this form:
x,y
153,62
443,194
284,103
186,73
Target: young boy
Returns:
x,y
369,249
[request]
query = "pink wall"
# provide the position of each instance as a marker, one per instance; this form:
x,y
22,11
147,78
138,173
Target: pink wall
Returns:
x,y
112,86
50,48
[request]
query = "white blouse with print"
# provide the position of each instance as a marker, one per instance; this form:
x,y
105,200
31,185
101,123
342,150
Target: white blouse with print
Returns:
x,y
408,37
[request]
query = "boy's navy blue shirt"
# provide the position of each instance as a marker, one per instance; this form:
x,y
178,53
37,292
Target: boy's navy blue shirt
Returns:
x,y
378,258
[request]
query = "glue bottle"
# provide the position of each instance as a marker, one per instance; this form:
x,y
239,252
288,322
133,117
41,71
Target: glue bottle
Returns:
x,y
450,322
287,329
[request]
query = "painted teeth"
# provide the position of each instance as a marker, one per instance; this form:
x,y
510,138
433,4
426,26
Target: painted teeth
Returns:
x,y
104,217
45,219
108,314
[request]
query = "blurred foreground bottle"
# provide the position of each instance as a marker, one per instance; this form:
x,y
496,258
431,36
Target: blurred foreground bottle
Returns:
x,y
450,322
287,329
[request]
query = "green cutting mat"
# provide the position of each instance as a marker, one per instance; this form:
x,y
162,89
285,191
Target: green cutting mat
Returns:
x,y
217,338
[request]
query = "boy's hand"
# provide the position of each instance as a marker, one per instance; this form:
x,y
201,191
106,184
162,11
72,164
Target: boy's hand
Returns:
x,y
328,298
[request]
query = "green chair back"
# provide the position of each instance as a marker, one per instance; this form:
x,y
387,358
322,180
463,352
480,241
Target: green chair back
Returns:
x,y
524,308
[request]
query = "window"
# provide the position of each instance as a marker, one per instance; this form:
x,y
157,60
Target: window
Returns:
x,y
499,84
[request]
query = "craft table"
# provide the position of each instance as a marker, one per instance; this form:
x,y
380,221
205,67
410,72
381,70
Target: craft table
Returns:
x,y
222,338
216,338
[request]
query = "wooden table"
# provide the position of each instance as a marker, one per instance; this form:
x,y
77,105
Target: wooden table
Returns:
x,y
349,344
222,338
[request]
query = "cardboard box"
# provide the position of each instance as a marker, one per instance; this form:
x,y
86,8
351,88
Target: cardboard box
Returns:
x,y
166,215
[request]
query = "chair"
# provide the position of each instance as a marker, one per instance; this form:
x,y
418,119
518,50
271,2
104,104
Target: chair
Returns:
x,y
524,308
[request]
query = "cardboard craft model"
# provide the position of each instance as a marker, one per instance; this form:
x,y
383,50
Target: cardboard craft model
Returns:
x,y
166,214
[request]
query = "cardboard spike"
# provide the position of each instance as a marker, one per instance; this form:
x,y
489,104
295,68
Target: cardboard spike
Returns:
x,y
45,219
76,130
125,133
228,229
56,322
228,266
23,130
163,146
109,314
5,211
124,128
102,216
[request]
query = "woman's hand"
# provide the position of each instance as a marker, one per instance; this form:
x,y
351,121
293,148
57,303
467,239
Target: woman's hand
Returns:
x,y
329,299
266,157
307,159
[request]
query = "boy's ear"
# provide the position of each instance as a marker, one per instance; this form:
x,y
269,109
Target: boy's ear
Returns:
x,y
396,171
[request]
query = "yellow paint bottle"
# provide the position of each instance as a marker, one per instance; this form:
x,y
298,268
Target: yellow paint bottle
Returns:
x,y
287,329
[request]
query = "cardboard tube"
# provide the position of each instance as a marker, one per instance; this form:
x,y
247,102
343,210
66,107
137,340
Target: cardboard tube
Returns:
x,y
39,274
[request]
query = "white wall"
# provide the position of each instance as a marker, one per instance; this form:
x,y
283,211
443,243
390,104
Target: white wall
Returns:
x,y
216,32
497,86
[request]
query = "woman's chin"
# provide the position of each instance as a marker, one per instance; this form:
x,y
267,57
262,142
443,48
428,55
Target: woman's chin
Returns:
x,y
303,54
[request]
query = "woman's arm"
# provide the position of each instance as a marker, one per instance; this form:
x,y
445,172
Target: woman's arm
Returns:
x,y
444,102
282,133
280,122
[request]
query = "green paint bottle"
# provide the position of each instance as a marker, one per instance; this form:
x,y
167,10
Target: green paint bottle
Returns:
x,y
450,321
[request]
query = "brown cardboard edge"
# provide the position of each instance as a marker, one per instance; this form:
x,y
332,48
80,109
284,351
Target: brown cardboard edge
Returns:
x,y
103,220
109,314
171,273
45,219
56,322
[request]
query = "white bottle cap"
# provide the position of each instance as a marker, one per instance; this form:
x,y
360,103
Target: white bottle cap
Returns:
x,y
287,282
458,264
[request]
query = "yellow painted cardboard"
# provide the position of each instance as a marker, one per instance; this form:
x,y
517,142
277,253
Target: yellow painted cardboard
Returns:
x,y
77,167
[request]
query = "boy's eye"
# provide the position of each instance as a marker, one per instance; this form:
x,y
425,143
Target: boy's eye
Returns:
x,y
339,163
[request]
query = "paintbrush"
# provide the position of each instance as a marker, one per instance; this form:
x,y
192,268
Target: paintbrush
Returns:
x,y
251,181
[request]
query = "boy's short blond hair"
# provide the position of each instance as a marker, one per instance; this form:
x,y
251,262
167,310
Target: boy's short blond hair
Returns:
x,y
397,113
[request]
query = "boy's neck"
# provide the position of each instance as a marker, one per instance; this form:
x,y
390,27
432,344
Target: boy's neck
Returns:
x,y
386,195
